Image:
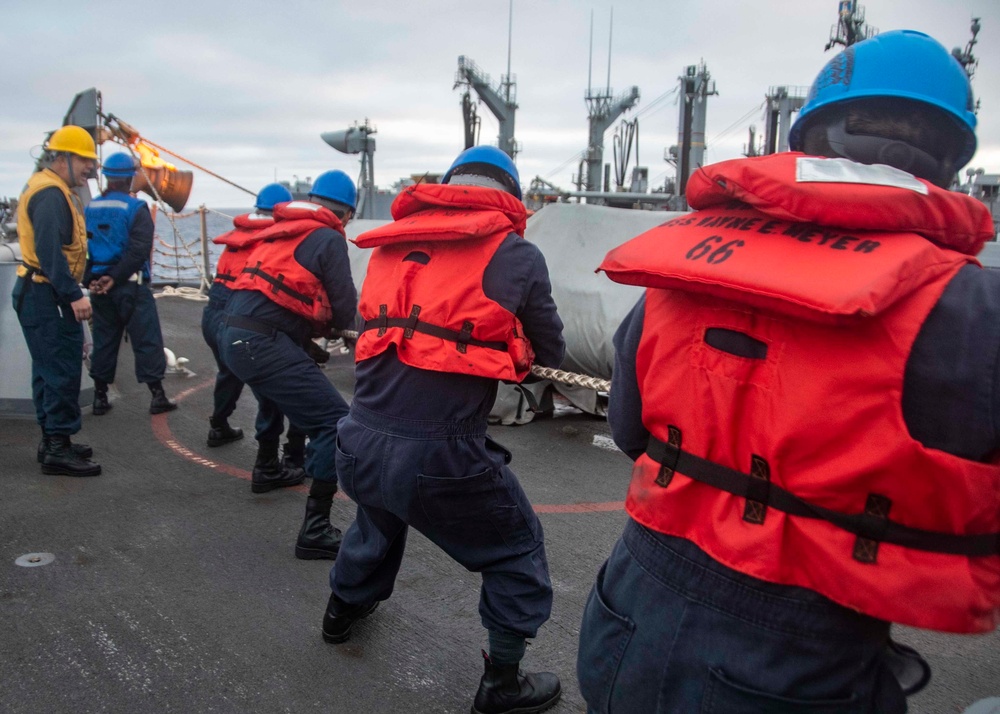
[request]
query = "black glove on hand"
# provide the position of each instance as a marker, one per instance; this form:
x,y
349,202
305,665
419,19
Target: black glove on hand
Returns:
x,y
316,353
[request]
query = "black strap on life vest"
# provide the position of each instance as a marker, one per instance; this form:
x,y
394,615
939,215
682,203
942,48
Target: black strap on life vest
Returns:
x,y
225,277
28,280
871,527
278,284
411,324
32,271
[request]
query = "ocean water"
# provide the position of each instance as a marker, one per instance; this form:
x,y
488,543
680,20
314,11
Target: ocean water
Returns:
x,y
179,248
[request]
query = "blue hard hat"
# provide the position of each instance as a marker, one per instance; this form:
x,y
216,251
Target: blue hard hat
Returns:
x,y
901,63
118,165
336,186
490,156
271,195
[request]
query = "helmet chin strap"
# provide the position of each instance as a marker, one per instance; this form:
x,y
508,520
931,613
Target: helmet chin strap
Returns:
x,y
867,149
69,169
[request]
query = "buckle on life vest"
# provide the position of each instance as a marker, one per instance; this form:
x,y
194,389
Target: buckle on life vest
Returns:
x,y
383,319
758,491
873,528
464,336
667,472
411,322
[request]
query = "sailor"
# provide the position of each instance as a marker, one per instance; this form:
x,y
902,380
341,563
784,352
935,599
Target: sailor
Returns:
x,y
267,470
296,283
48,299
228,386
120,230
808,388
454,300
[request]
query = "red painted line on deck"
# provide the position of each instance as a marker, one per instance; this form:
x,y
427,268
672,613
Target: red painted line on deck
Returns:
x,y
163,434
580,507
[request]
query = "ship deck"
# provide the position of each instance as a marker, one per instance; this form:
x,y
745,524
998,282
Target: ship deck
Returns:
x,y
174,588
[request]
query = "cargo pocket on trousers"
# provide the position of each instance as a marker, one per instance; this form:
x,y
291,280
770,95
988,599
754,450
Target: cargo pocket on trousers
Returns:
x,y
345,464
724,696
447,500
604,635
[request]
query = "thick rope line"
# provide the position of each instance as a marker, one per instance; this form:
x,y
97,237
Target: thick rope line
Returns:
x,y
555,375
182,292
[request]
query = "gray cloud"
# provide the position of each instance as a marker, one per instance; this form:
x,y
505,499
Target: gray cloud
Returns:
x,y
246,88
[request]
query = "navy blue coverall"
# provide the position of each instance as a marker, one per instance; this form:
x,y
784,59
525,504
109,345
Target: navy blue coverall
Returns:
x,y
654,586
228,387
414,452
270,358
129,306
54,337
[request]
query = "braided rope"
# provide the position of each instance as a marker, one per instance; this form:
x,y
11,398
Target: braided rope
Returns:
x,y
572,378
182,292
555,375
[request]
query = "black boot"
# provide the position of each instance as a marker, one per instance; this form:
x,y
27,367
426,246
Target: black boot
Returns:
x,y
59,458
294,449
81,450
159,403
101,404
318,540
505,688
268,473
340,618
221,433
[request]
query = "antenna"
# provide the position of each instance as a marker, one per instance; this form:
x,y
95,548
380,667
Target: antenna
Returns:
x,y
611,26
590,60
510,33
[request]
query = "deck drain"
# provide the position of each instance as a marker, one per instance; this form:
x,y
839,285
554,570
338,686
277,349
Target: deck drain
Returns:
x,y
33,560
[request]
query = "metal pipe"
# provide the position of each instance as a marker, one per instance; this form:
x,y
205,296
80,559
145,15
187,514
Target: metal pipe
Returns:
x,y
206,260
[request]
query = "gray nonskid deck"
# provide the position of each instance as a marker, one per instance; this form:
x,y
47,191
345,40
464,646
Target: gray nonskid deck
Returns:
x,y
174,589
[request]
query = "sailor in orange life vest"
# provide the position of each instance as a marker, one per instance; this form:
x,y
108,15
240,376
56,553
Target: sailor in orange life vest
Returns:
x,y
807,389
268,471
296,283
228,386
454,300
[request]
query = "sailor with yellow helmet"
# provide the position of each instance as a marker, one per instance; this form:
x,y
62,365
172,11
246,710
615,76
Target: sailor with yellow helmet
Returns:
x,y
48,299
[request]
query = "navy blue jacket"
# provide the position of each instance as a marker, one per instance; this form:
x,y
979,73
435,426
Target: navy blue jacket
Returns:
x,y
951,387
52,221
518,279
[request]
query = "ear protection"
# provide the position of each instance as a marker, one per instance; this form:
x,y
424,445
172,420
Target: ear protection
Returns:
x,y
867,149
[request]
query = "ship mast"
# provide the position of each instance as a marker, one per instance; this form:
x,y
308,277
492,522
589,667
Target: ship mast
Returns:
x,y
602,111
850,27
501,99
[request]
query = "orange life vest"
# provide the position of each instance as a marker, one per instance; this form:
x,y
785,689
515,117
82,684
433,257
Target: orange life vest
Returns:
x,y
788,458
271,268
423,291
233,256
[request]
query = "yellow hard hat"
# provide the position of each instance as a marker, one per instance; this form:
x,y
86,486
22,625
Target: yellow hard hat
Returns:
x,y
75,140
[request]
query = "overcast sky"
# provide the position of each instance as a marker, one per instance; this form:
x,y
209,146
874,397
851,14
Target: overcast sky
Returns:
x,y
246,88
